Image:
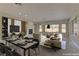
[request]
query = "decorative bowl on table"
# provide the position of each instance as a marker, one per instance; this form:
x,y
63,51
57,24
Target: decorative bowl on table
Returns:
x,y
21,44
29,41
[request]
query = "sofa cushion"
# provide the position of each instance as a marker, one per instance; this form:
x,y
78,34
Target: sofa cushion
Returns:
x,y
55,43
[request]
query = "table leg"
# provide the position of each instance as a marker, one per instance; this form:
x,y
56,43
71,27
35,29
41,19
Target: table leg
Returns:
x,y
24,52
6,42
28,52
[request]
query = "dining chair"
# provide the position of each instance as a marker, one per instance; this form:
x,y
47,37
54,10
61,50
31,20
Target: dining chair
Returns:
x,y
36,46
2,49
7,50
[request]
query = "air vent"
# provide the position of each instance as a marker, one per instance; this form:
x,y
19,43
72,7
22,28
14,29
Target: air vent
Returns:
x,y
19,4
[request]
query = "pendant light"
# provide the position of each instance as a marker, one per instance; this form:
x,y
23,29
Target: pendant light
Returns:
x,y
48,26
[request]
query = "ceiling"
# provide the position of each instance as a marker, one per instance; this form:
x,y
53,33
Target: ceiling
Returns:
x,y
38,12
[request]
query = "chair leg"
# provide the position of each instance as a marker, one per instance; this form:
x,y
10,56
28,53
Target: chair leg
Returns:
x,y
39,50
35,52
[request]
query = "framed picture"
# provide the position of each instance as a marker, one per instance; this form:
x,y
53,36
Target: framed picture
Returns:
x,y
30,31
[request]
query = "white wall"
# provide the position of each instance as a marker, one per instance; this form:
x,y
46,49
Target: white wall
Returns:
x,y
9,23
74,30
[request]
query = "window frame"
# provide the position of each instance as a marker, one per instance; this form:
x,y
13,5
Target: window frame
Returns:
x,y
63,28
51,28
40,28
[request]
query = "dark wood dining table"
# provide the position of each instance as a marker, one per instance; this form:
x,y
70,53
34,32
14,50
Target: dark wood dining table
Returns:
x,y
25,47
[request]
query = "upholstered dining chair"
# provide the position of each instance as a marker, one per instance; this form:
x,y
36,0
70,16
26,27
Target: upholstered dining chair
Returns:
x,y
7,50
36,46
36,36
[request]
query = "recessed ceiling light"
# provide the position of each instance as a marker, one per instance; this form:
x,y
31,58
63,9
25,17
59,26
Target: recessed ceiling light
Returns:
x,y
26,15
20,13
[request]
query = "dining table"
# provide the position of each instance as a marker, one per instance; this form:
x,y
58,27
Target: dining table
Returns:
x,y
24,44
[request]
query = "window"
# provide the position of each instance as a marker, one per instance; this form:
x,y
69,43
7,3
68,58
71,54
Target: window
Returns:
x,y
48,29
53,28
40,28
18,23
75,27
63,28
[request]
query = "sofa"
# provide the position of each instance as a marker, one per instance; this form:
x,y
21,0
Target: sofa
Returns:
x,y
54,41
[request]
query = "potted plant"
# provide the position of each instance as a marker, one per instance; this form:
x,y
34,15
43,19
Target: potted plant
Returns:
x,y
21,35
13,34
